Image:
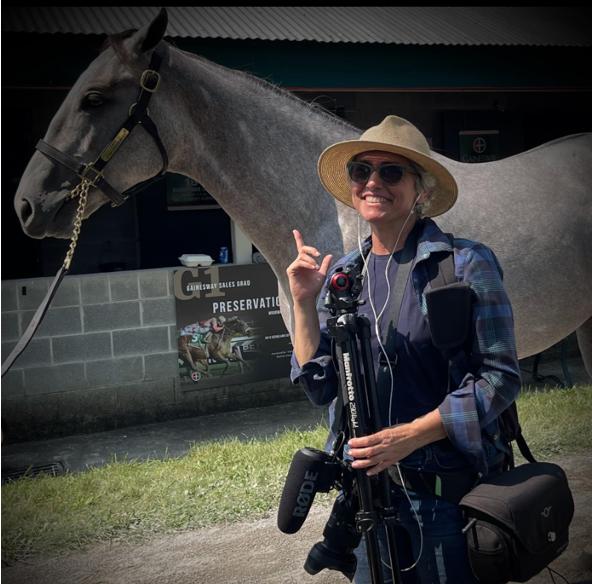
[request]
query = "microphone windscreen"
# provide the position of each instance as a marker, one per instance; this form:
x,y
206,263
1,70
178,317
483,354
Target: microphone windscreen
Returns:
x,y
302,483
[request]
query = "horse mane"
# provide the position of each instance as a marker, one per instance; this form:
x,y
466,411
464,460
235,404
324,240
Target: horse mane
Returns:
x,y
264,85
115,40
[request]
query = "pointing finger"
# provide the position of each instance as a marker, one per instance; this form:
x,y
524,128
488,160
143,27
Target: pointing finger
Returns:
x,y
298,239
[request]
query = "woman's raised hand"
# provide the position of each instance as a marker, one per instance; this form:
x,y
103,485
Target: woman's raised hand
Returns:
x,y
305,274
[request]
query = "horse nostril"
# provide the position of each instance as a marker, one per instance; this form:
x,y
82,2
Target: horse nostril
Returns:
x,y
26,211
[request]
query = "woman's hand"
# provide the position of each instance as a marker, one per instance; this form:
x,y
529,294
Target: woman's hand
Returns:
x,y
306,279
305,274
378,451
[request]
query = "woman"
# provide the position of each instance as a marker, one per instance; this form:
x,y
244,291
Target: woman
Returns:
x,y
390,178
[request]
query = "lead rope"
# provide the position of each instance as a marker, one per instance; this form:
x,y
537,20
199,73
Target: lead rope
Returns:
x,y
81,191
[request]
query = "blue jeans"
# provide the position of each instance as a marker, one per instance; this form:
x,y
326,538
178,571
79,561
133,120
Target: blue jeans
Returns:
x,y
444,557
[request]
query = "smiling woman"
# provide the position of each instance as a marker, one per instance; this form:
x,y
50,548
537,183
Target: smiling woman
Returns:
x,y
383,200
443,420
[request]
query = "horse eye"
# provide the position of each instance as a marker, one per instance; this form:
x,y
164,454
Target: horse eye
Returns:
x,y
93,99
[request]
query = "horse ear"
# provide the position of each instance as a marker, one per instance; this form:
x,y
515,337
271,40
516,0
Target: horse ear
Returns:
x,y
156,30
148,36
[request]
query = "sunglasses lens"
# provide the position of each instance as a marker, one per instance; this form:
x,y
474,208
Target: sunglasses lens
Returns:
x,y
359,172
391,173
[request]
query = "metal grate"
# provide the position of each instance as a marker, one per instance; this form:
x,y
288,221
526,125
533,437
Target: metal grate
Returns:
x,y
55,468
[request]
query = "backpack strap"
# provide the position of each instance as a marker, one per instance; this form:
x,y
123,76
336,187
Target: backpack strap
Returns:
x,y
449,307
448,310
512,432
446,273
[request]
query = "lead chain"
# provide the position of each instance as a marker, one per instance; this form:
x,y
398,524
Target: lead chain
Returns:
x,y
80,191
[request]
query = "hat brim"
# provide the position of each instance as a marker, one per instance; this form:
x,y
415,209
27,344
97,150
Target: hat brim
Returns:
x,y
332,169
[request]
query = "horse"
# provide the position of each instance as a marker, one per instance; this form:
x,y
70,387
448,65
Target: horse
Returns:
x,y
254,147
217,346
220,346
195,358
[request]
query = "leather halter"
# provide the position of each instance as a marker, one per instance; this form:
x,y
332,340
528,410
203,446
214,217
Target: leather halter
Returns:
x,y
138,114
93,173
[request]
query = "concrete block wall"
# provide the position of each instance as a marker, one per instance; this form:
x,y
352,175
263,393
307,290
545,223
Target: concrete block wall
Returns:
x,y
104,356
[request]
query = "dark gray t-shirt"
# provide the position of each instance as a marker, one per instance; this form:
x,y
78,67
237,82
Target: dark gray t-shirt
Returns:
x,y
420,373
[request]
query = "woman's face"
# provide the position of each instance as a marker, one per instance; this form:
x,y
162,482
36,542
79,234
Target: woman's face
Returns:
x,y
384,204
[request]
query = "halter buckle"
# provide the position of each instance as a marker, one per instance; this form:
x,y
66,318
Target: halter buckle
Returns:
x,y
86,174
150,80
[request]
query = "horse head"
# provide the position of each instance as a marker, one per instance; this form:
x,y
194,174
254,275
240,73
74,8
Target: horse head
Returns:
x,y
86,122
235,326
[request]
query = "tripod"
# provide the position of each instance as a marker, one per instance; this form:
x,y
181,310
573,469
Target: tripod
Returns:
x,y
351,334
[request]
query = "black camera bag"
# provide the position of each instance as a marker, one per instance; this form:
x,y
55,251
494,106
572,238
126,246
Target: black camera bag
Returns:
x,y
518,522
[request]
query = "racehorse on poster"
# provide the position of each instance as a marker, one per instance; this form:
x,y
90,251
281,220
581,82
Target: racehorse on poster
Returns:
x,y
254,147
215,345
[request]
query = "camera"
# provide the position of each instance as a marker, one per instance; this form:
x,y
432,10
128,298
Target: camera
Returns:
x,y
343,289
314,471
341,538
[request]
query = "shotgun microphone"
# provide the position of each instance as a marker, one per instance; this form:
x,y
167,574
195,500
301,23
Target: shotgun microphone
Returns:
x,y
311,471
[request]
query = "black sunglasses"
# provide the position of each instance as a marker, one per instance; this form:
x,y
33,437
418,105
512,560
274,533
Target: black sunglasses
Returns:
x,y
389,173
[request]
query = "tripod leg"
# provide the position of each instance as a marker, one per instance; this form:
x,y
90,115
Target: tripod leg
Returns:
x,y
374,560
368,523
404,552
384,483
389,518
358,387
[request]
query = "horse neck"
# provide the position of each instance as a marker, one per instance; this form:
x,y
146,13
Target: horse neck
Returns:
x,y
254,148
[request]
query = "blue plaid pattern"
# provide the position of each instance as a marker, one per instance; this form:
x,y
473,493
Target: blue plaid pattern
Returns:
x,y
490,380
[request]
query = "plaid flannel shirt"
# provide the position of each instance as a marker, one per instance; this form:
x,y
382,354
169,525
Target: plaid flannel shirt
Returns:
x,y
491,381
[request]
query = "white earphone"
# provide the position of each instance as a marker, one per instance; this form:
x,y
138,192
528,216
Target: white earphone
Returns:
x,y
377,318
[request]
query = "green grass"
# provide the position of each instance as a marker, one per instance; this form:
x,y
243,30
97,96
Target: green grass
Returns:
x,y
213,483
556,421
216,483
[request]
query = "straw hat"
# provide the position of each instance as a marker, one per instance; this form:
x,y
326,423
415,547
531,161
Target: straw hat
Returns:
x,y
396,135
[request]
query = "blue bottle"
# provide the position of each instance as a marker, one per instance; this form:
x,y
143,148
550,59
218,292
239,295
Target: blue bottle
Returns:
x,y
223,255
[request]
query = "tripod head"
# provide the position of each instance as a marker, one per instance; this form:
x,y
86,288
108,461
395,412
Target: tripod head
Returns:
x,y
344,288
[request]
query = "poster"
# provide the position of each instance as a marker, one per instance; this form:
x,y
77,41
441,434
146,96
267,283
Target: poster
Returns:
x,y
229,326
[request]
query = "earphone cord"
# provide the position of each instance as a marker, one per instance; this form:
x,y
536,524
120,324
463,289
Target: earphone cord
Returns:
x,y
391,374
378,316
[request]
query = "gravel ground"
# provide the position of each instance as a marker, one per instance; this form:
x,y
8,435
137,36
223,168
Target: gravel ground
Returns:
x,y
257,553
